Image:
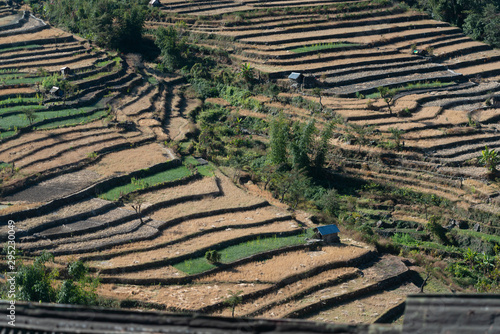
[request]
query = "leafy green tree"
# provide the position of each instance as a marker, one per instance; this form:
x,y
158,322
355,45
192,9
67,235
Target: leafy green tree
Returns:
x,y
212,256
246,72
301,145
329,202
434,227
490,159
67,88
110,23
173,49
279,133
323,146
50,81
37,283
34,282
80,288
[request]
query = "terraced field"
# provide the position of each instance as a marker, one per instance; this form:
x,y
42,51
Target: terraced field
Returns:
x,y
352,48
73,174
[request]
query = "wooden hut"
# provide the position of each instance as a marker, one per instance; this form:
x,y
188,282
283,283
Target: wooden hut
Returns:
x,y
327,233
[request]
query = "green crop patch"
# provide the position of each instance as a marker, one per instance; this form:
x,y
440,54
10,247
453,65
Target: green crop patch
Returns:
x,y
22,47
418,85
240,251
7,134
21,100
145,182
74,121
324,46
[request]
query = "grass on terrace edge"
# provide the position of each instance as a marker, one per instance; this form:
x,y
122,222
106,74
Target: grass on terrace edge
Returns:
x,y
240,251
160,177
22,47
148,181
18,120
418,85
324,46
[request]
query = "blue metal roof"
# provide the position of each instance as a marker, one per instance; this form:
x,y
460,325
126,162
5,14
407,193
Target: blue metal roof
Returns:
x,y
294,76
328,229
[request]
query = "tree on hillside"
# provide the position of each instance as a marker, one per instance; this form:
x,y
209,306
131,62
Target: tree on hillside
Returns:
x,y
30,115
301,144
279,133
318,93
172,48
490,159
234,300
323,146
361,133
246,72
37,283
397,135
388,95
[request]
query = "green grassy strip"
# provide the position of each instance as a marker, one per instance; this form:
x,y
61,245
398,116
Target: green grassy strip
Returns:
x,y
7,134
323,46
240,251
204,170
418,85
486,237
75,121
135,184
103,63
407,240
106,62
17,109
101,74
22,47
20,100
12,75
21,121
16,81
8,70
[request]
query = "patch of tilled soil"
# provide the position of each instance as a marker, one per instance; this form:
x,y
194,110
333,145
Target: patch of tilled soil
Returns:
x,y
57,187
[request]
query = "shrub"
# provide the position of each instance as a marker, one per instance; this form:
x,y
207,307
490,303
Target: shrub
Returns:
x,y
212,256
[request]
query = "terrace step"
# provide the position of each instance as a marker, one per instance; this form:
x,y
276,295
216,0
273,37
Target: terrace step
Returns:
x,y
32,25
428,41
366,88
41,41
387,272
340,36
390,18
368,73
65,49
69,61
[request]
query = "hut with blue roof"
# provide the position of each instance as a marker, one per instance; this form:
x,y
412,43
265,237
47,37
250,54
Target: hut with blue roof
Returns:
x,y
328,233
